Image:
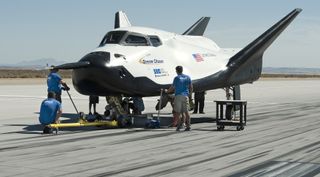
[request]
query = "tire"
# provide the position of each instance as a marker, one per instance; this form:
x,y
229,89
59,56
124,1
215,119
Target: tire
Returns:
x,y
220,127
239,128
124,121
229,112
107,113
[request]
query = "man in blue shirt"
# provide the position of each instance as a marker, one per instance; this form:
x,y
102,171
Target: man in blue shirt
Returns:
x,y
182,87
50,110
54,82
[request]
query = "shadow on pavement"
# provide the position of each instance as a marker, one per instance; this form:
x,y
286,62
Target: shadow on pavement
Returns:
x,y
139,122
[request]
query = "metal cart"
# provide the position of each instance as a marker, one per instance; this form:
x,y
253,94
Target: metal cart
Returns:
x,y
235,114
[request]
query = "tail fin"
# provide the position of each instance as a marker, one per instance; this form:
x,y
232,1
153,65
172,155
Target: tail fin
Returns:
x,y
246,65
121,20
198,28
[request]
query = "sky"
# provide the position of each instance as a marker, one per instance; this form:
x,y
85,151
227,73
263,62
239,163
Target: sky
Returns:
x,y
68,29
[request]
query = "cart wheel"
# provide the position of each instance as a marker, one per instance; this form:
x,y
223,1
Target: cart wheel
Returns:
x,y
240,128
220,127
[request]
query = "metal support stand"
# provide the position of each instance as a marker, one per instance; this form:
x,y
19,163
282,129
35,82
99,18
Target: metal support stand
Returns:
x,y
228,93
160,102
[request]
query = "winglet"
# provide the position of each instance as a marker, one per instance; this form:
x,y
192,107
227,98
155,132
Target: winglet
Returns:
x,y
198,28
246,65
259,45
121,20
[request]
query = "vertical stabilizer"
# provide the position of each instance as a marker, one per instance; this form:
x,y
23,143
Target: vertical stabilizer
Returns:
x,y
121,20
198,28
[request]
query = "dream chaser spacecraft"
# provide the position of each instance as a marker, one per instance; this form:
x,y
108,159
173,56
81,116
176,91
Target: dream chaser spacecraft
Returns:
x,y
139,61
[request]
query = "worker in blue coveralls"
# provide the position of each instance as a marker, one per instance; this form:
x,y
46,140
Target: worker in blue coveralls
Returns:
x,y
50,112
55,83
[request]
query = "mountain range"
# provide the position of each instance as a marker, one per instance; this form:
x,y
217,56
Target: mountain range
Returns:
x,y
44,62
34,64
288,70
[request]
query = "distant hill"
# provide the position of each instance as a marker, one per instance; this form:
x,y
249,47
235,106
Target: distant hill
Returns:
x,y
287,70
39,64
34,64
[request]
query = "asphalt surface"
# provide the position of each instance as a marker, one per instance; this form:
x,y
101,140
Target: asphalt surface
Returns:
x,y
281,137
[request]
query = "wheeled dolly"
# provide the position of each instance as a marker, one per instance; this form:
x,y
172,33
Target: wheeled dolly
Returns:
x,y
226,114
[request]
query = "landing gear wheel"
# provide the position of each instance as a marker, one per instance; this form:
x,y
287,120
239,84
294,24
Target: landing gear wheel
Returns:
x,y
229,112
107,113
124,122
240,128
220,127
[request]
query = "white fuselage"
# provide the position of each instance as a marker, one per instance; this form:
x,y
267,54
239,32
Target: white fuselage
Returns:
x,y
138,61
199,56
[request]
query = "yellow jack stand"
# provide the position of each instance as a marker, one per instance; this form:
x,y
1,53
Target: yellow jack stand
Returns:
x,y
85,123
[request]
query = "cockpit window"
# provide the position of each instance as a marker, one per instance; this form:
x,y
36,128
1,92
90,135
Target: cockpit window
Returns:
x,y
155,41
136,40
113,37
130,39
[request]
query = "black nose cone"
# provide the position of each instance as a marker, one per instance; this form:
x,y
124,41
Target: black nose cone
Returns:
x,y
97,59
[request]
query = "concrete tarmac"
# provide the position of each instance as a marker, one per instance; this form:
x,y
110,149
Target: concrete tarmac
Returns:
x,y
281,137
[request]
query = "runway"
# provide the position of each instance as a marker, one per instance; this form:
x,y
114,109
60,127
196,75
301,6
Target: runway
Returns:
x,y
281,137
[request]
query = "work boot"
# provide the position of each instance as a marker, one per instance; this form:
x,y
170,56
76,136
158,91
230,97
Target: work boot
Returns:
x,y
179,126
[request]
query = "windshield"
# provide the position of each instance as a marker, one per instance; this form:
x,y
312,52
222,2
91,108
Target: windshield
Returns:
x,y
113,37
155,41
136,40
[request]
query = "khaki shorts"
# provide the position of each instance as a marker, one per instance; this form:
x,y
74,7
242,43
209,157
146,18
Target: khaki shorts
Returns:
x,y
181,104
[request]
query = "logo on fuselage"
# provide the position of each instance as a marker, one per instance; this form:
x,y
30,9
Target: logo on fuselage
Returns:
x,y
160,72
199,57
150,61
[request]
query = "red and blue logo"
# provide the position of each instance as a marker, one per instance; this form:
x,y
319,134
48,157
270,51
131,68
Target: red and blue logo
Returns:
x,y
197,57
